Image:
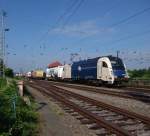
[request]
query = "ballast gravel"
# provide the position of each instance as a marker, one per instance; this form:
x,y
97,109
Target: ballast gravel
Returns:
x,y
125,103
54,120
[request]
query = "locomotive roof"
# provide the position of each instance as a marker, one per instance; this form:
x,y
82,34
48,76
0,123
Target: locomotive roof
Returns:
x,y
96,59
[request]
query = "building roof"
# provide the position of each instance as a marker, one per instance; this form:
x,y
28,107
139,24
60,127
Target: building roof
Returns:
x,y
54,64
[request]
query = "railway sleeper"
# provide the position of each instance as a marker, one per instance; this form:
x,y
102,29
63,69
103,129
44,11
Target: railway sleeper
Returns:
x,y
79,117
66,108
70,110
92,109
134,127
112,118
141,133
95,111
94,126
101,132
101,112
75,114
125,123
86,121
107,114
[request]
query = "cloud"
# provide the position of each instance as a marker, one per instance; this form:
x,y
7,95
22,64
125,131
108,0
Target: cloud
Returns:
x,y
86,28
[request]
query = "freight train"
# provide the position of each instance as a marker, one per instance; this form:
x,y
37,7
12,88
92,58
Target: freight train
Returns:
x,y
59,72
102,70
36,74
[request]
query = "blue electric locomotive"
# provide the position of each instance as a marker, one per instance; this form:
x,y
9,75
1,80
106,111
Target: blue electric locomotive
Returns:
x,y
107,69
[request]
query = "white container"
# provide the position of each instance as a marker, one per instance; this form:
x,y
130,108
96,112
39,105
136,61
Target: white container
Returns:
x,y
60,72
67,71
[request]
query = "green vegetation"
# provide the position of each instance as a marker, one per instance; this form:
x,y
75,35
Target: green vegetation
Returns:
x,y
139,74
3,83
16,117
139,78
9,72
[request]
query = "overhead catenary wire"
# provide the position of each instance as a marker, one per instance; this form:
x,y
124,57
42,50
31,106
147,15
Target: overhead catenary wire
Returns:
x,y
130,17
121,21
72,9
130,37
124,21
60,18
73,12
67,11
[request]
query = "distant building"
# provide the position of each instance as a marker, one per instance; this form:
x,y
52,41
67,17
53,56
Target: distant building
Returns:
x,y
54,64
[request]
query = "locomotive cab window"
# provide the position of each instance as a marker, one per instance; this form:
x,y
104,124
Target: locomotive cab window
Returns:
x,y
105,64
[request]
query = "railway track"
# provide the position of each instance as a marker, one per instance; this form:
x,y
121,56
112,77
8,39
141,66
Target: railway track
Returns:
x,y
144,90
137,95
104,118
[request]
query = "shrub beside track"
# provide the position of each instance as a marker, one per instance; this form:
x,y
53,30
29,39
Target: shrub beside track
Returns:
x,y
16,117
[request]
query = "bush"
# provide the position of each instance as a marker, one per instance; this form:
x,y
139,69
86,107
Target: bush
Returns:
x,y
23,124
3,82
9,72
29,129
140,74
6,112
17,128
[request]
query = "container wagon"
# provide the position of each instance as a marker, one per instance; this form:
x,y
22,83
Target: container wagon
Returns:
x,y
38,74
66,72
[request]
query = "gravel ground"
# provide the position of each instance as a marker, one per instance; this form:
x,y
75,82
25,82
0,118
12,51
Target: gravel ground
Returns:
x,y
122,90
128,104
54,121
88,86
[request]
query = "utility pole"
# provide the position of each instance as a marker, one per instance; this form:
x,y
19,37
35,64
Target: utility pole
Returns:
x,y
2,14
118,53
2,44
72,56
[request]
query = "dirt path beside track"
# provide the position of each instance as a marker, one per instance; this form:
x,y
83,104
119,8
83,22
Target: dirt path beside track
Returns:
x,y
53,121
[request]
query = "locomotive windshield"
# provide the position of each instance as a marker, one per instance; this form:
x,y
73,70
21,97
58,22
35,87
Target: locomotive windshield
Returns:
x,y
117,63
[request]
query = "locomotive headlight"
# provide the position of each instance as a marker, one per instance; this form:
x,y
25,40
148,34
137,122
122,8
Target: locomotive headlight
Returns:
x,y
126,76
115,76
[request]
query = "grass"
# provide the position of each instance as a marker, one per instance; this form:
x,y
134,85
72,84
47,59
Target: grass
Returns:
x,y
3,83
20,120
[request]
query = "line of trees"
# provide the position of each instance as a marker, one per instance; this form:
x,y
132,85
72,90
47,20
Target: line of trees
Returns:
x,y
8,71
140,74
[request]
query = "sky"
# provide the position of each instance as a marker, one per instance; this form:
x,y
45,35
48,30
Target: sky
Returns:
x,y
43,31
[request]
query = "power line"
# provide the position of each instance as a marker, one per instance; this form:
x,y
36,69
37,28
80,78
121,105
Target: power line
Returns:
x,y
75,10
67,11
72,14
130,17
131,36
72,8
128,37
61,17
121,21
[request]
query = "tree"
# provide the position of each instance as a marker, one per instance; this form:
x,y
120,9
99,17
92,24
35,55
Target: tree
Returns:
x,y
9,72
1,67
140,73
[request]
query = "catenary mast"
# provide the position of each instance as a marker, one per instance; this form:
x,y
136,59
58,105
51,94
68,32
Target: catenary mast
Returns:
x,y
2,43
